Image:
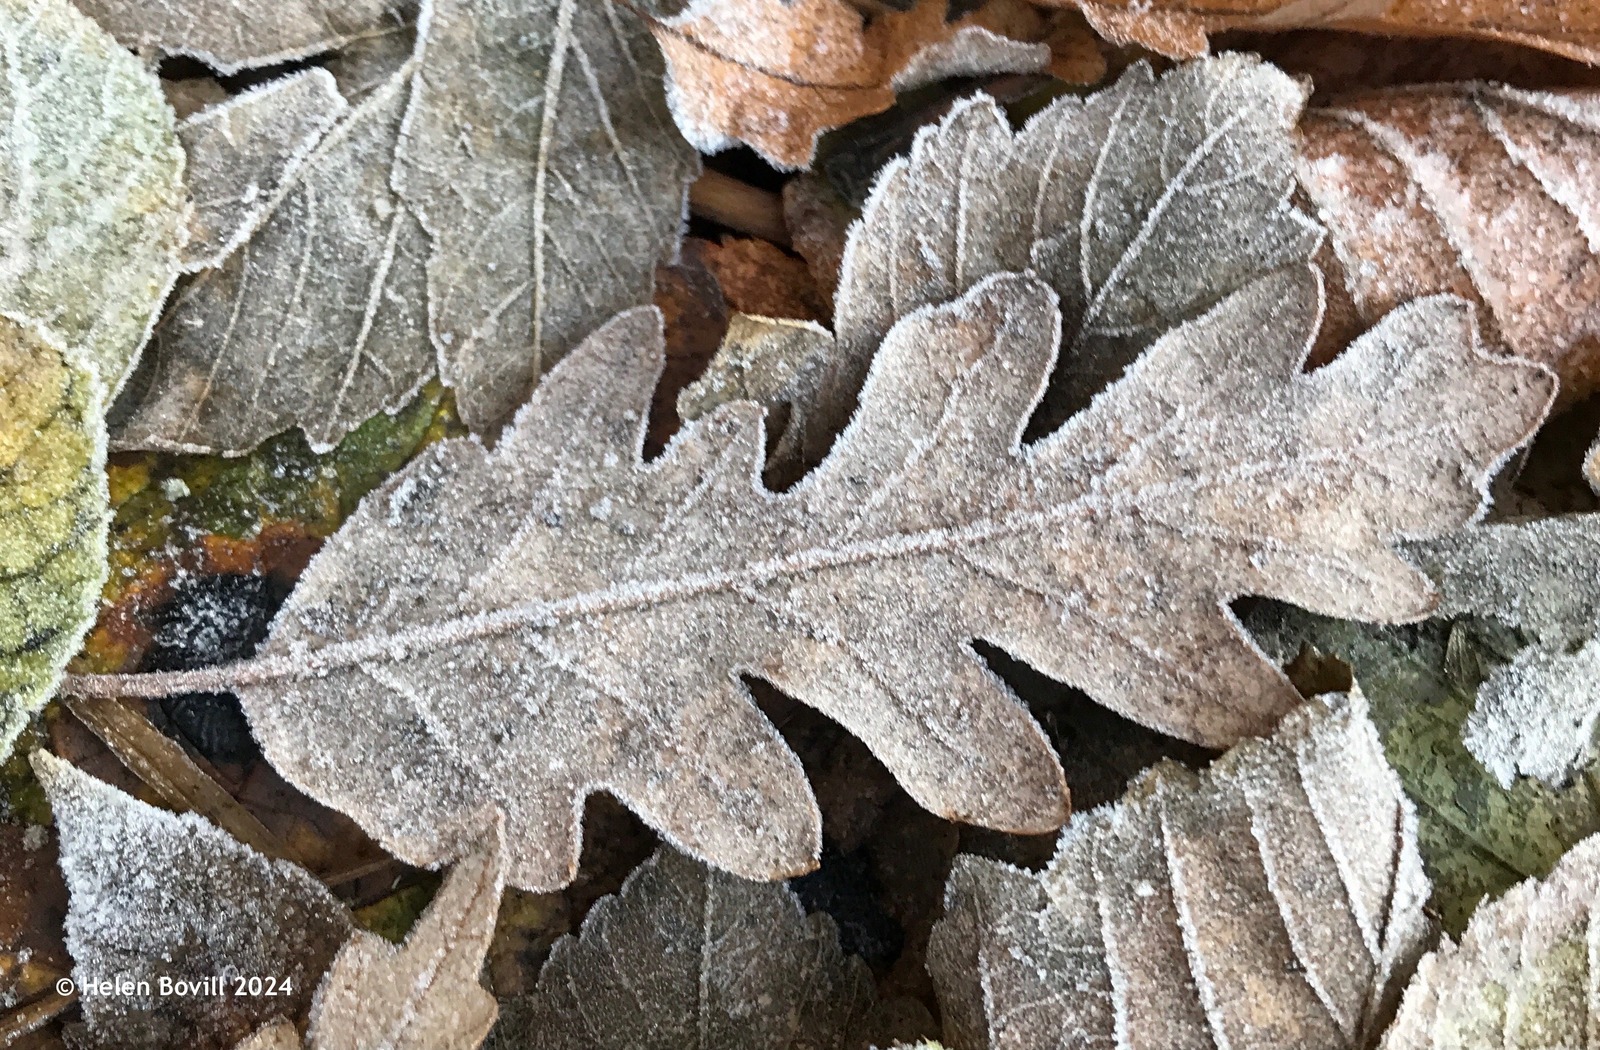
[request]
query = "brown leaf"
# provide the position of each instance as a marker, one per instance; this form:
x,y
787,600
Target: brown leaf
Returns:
x,y
422,995
1488,192
557,597
536,184
1252,907
1179,27
694,959
777,75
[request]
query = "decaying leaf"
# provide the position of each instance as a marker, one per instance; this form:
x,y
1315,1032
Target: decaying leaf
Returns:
x,y
776,76
423,995
1179,27
91,193
53,514
1523,974
694,959
771,362
1111,201
1484,191
1535,716
1477,838
161,897
240,151
1252,906
557,597
230,35
489,203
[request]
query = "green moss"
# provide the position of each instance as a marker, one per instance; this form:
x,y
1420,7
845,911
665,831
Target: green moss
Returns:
x,y
393,917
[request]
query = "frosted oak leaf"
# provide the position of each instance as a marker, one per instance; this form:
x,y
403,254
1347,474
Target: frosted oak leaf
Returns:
x,y
557,617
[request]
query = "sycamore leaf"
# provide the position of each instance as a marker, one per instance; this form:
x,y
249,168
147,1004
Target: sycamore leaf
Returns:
x,y
1535,716
1477,838
558,597
230,35
777,75
91,193
53,514
240,151
1252,906
159,896
1523,974
685,958
1179,27
1481,190
491,201
422,995
1141,207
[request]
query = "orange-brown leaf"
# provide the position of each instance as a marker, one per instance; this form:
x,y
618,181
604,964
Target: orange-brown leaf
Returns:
x,y
1487,192
775,75
1179,27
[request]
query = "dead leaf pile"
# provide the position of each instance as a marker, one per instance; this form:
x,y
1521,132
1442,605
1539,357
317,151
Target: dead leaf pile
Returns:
x,y
620,548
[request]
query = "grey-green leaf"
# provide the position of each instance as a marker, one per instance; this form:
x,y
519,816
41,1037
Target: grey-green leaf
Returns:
x,y
54,511
91,193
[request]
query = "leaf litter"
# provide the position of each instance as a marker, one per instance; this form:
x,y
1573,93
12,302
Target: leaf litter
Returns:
x,y
1063,415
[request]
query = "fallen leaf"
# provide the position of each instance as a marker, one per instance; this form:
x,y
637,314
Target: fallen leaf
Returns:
x,y
557,597
242,150
1483,191
424,994
1521,976
212,910
780,364
53,515
1535,716
686,957
1110,200
1249,906
1477,838
91,193
231,35
758,278
1179,28
775,76
536,185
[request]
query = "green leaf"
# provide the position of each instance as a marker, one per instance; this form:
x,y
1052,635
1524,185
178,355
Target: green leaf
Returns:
x,y
53,513
92,208
1477,838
